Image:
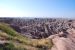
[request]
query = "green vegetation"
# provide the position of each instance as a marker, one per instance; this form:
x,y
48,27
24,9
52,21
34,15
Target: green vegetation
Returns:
x,y
10,46
19,42
12,33
7,29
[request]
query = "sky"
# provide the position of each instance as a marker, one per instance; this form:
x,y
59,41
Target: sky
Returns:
x,y
37,8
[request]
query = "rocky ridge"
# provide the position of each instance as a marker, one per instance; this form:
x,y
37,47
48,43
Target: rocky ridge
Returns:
x,y
39,28
61,31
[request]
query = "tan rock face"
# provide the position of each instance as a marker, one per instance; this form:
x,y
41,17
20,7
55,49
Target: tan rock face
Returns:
x,y
62,43
71,32
59,43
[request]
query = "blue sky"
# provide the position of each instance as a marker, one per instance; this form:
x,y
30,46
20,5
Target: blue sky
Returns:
x,y
37,8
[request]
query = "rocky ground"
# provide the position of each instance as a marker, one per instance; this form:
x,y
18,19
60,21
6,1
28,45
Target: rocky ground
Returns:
x,y
37,28
62,43
61,31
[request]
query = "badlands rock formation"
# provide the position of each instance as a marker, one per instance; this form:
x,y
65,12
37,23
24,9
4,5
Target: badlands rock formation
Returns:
x,y
61,31
37,28
64,43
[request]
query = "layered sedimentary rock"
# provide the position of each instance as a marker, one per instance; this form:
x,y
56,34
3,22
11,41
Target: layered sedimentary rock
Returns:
x,y
39,28
61,31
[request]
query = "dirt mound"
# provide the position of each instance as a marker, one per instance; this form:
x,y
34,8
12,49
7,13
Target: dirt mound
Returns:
x,y
62,43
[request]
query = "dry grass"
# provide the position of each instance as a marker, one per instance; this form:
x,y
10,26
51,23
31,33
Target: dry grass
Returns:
x,y
42,43
20,41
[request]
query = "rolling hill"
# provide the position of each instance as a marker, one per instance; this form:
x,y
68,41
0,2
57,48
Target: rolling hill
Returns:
x,y
15,41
